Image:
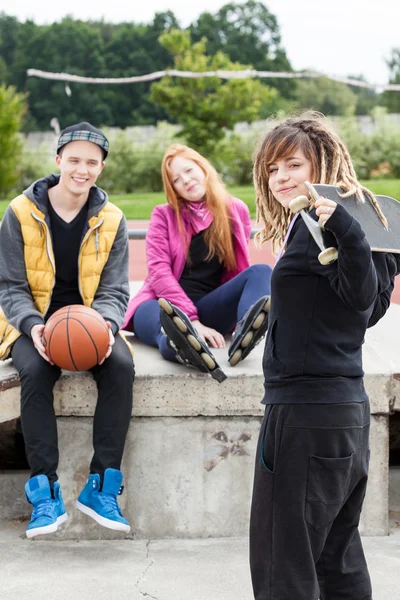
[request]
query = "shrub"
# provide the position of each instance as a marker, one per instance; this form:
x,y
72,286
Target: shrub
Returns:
x,y
233,158
12,109
134,165
375,153
33,166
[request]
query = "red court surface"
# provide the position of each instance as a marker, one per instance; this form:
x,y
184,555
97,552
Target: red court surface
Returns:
x,y
138,268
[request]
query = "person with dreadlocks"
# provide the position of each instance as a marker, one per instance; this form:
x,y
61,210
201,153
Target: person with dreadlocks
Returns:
x,y
198,269
312,455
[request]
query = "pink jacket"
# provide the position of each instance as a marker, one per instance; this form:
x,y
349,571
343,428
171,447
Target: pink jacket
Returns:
x,y
166,258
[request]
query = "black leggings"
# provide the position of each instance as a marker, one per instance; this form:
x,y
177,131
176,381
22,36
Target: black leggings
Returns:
x,y
310,480
114,379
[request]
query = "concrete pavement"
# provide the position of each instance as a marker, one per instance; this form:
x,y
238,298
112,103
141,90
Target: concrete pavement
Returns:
x,y
207,569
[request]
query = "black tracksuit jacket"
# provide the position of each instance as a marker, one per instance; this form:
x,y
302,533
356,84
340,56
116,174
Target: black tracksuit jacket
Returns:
x,y
319,314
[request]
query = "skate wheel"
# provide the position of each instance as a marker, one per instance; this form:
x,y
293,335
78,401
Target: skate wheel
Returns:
x,y
180,324
259,321
267,305
193,342
298,204
236,356
247,339
328,256
313,192
165,305
206,358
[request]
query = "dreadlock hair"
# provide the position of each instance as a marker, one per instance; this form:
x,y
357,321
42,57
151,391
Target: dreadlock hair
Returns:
x,y
330,161
218,236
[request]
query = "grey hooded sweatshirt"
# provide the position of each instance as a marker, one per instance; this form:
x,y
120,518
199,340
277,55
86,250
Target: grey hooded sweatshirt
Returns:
x,y
112,295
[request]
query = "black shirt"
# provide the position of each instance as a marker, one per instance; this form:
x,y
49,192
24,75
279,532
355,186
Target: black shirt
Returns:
x,y
319,314
200,276
66,238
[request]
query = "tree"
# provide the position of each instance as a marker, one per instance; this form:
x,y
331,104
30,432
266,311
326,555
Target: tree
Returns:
x,y
367,98
12,110
94,49
134,50
248,33
328,96
392,99
205,106
9,31
79,50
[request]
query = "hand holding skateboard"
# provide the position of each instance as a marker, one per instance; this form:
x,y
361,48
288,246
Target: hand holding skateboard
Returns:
x,y
324,211
379,237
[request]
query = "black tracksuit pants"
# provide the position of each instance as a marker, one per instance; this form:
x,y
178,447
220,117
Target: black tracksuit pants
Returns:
x,y
310,480
114,379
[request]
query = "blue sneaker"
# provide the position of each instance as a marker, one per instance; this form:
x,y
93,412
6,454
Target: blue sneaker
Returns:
x,y
48,510
102,504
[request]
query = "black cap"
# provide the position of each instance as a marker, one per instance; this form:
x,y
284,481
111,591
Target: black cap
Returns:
x,y
84,132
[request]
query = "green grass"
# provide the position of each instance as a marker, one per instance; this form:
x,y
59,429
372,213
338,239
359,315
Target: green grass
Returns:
x,y
140,205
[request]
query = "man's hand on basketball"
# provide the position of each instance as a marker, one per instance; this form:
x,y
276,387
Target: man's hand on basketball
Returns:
x,y
110,343
325,209
38,342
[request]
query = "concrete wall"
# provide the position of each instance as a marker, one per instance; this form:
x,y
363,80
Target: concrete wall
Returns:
x,y
189,457
184,477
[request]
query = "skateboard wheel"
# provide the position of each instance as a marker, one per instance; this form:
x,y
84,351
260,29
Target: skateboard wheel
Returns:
x,y
193,342
313,192
328,256
259,321
298,204
165,305
180,324
236,356
247,339
208,360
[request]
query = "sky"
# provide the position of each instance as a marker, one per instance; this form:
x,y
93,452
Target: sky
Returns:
x,y
340,37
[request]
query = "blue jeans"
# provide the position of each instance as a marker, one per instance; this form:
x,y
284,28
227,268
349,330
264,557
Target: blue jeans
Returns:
x,y
221,309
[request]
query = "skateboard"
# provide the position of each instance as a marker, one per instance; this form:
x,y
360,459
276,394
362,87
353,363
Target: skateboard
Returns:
x,y
184,339
379,238
249,331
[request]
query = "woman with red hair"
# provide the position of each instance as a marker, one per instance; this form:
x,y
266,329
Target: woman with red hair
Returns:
x,y
200,285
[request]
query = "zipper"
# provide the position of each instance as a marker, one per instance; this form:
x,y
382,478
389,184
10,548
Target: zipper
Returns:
x,y
96,245
49,253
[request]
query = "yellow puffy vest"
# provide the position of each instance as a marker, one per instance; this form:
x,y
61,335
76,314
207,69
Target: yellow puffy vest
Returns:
x,y
40,264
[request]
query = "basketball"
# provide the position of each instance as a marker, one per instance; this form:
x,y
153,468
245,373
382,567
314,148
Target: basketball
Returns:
x,y
76,338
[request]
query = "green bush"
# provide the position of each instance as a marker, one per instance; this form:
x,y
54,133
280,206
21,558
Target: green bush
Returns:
x,y
134,165
233,158
12,109
374,154
33,166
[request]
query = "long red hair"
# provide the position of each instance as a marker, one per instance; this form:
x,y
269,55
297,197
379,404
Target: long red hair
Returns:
x,y
219,235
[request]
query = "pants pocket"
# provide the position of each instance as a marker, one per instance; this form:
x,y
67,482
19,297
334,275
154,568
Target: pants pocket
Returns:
x,y
271,365
271,436
327,484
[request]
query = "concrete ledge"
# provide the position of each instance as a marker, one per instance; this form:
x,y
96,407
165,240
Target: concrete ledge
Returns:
x,y
168,389
189,456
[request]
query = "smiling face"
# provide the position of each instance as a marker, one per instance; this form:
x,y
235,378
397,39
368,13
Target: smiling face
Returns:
x,y
80,164
188,179
287,177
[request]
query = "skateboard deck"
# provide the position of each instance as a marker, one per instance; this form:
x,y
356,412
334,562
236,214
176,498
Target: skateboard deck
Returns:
x,y
380,239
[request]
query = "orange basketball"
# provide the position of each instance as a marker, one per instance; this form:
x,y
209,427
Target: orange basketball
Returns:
x,y
76,338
